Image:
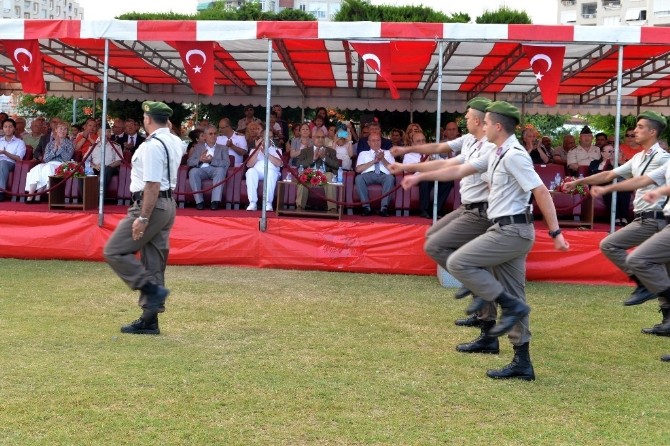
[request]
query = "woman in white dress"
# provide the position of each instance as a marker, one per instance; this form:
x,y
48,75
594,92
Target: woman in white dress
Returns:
x,y
256,167
59,150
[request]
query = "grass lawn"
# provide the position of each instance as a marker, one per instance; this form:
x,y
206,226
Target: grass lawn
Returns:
x,y
270,357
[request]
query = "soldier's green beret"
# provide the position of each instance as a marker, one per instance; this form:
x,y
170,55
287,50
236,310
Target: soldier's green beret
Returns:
x,y
505,109
653,116
479,103
156,108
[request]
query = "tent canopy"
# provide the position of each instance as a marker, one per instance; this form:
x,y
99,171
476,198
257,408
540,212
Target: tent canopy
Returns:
x,y
314,63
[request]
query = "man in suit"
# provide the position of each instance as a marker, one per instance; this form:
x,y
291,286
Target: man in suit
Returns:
x,y
319,157
118,135
133,139
208,161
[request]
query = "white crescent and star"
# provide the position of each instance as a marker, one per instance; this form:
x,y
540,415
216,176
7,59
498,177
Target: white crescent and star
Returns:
x,y
539,75
200,53
19,51
372,57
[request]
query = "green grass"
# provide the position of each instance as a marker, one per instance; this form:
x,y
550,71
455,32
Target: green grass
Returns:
x,y
269,357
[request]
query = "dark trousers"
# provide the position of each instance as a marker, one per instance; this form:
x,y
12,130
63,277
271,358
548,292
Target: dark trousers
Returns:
x,y
443,189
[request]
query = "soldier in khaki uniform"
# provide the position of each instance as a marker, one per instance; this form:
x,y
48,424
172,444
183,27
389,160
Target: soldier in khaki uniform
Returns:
x,y
470,219
648,263
147,226
493,265
649,218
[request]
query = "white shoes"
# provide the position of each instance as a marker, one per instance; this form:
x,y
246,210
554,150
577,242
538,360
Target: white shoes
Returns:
x,y
254,207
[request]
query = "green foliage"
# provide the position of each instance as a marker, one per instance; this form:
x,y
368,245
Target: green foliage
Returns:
x,y
504,15
220,11
56,107
358,10
549,125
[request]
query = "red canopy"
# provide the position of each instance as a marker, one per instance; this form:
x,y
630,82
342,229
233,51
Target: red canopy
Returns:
x,y
315,63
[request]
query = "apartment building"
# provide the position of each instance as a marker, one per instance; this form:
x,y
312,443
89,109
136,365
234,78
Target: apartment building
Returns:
x,y
41,9
614,12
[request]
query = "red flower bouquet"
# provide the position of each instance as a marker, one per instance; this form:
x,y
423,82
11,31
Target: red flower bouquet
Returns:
x,y
313,177
70,166
581,189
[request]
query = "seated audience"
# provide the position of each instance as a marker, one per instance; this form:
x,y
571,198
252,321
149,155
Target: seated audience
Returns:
x,y
623,198
86,138
133,138
411,128
325,159
426,187
20,127
375,129
317,125
236,142
531,142
256,163
12,149
397,137
344,151
248,119
561,152
37,129
195,136
57,151
208,160
629,147
451,132
372,168
113,159
584,153
304,141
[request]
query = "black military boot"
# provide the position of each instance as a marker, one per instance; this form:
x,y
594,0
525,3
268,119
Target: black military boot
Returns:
x,y
513,310
143,325
640,295
484,343
470,321
462,292
155,295
662,329
476,305
519,368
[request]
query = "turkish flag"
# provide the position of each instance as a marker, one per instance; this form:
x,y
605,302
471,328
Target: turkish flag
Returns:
x,y
378,56
198,60
547,65
27,60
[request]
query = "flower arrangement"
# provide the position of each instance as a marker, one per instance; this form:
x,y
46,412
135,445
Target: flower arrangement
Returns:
x,y
70,166
313,177
39,100
581,189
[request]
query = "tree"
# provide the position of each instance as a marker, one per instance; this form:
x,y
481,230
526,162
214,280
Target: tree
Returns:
x,y
504,15
358,10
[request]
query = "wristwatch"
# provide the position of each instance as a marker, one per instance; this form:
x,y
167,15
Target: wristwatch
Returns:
x,y
554,234
143,220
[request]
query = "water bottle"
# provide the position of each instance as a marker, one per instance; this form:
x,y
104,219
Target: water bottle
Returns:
x,y
289,177
581,176
557,179
88,170
301,169
340,175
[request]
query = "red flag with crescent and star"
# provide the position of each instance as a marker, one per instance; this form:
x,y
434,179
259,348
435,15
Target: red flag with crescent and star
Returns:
x,y
378,56
27,60
547,65
198,60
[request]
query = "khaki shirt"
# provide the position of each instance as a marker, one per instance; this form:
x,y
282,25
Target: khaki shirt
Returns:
x,y
582,156
473,188
511,177
646,161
